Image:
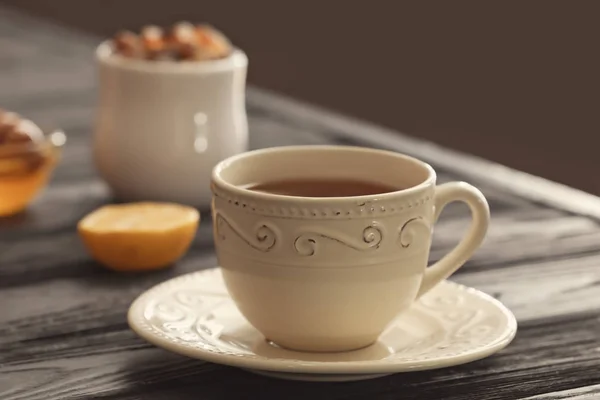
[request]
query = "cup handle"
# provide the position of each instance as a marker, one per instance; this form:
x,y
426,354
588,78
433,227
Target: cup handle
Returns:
x,y
480,213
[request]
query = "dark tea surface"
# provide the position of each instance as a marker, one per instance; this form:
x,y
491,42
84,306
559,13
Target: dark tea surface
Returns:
x,y
321,187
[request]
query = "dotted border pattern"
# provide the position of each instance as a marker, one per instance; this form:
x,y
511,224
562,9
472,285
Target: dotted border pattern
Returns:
x,y
358,210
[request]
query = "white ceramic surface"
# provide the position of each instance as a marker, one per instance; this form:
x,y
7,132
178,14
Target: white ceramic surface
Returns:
x,y
329,274
162,126
193,315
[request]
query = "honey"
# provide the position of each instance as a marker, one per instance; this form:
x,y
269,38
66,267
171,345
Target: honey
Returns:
x,y
27,158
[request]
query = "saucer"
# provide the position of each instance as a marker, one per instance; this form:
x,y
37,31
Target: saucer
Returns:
x,y
193,315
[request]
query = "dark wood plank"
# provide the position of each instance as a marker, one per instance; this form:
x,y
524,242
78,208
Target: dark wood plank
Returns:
x,y
587,393
64,336
127,371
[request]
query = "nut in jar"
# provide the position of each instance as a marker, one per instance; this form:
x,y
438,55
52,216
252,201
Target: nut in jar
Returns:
x,y
181,42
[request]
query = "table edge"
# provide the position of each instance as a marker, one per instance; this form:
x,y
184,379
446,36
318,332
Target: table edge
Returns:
x,y
517,182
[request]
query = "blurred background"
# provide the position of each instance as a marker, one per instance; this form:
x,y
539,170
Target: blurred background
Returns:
x,y
516,82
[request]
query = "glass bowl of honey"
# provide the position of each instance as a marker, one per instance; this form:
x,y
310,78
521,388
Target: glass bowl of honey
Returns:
x,y
28,157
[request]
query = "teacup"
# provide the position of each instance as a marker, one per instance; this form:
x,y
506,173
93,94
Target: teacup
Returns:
x,y
330,273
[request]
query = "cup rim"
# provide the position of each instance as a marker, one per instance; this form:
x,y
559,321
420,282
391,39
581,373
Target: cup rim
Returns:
x,y
219,182
105,55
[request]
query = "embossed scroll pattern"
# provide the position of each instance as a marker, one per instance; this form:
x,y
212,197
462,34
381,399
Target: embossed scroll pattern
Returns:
x,y
263,238
307,243
411,229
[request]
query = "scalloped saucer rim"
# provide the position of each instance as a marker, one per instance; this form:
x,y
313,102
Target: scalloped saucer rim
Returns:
x,y
192,315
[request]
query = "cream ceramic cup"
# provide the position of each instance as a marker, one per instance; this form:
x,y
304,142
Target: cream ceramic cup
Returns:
x,y
162,126
329,274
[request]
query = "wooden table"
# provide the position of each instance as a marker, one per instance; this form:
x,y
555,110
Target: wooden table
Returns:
x,y
63,332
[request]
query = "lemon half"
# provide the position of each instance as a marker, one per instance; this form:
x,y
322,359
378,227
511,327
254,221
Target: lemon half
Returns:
x,y
139,236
